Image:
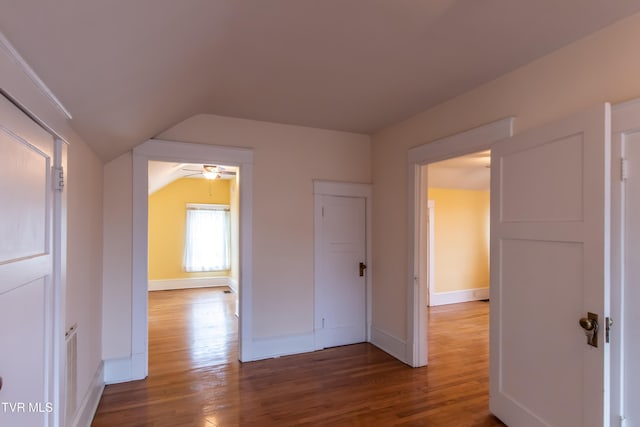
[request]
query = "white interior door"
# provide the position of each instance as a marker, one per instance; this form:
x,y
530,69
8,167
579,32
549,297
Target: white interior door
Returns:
x,y
549,266
26,294
340,313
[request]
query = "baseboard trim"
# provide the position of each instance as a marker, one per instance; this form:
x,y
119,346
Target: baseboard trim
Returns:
x,y
188,283
389,344
86,412
454,297
233,284
265,348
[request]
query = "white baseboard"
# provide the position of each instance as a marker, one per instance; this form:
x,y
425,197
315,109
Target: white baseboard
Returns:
x,y
233,284
265,348
188,283
139,366
124,369
87,410
454,297
389,344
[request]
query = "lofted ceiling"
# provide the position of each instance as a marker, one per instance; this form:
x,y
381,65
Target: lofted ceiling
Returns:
x,y
127,70
161,174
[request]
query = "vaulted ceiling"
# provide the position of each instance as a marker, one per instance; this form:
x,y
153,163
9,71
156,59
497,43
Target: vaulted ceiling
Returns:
x,y
127,70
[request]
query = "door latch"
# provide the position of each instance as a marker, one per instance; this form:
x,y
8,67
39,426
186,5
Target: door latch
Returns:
x,y
363,267
590,326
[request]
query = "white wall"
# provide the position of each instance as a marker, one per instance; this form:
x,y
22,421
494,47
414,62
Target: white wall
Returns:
x,y
84,232
84,271
116,276
286,161
602,67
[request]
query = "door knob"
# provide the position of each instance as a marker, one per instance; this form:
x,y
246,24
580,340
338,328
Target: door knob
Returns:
x,y
590,326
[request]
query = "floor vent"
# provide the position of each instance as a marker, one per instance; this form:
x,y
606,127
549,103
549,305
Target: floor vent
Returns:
x,y
72,371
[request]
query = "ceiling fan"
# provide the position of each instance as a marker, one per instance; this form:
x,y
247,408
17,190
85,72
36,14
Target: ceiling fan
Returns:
x,y
211,172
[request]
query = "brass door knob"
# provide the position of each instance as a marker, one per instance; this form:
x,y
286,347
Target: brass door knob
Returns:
x,y
588,324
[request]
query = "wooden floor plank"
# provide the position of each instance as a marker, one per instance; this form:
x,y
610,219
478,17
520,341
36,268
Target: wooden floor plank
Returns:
x,y
196,380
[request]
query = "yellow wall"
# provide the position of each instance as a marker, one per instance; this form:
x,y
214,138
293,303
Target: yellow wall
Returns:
x,y
461,239
167,217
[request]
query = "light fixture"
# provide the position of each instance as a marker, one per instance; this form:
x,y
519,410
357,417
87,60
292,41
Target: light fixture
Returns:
x,y
210,172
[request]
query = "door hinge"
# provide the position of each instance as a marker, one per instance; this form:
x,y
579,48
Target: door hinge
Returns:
x,y
608,322
323,212
622,421
57,177
624,169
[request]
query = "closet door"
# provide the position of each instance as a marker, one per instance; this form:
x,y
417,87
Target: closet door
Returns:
x,y
26,270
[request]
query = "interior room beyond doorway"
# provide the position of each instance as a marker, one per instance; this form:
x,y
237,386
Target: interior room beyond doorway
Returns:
x,y
458,229
193,243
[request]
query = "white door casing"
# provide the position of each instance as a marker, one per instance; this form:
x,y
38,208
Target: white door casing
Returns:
x,y
342,297
174,151
549,267
631,280
29,365
470,141
625,268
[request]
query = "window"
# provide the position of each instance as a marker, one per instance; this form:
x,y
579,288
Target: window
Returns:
x,y
207,238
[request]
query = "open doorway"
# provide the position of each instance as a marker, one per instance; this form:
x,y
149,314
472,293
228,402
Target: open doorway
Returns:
x,y
172,151
193,260
457,267
471,141
458,229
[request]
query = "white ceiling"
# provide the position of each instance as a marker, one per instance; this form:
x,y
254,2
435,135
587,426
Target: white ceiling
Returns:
x,y
470,172
127,70
162,174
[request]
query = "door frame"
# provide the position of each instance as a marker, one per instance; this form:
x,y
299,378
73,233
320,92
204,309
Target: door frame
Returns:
x,y
59,251
430,251
625,119
175,151
477,139
344,189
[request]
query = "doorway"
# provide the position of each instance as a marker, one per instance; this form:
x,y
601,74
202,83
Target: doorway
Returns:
x,y
458,229
342,262
172,151
193,243
472,141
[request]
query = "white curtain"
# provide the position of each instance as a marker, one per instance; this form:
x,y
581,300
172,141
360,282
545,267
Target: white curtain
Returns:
x,y
207,245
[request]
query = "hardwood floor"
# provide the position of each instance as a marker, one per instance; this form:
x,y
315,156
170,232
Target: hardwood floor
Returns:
x,y
196,380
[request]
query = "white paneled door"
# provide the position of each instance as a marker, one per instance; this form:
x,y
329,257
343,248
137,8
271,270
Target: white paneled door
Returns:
x,y
549,269
341,271
26,268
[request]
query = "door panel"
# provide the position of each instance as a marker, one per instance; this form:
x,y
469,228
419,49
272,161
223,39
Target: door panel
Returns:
x,y
340,290
548,264
26,268
23,235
